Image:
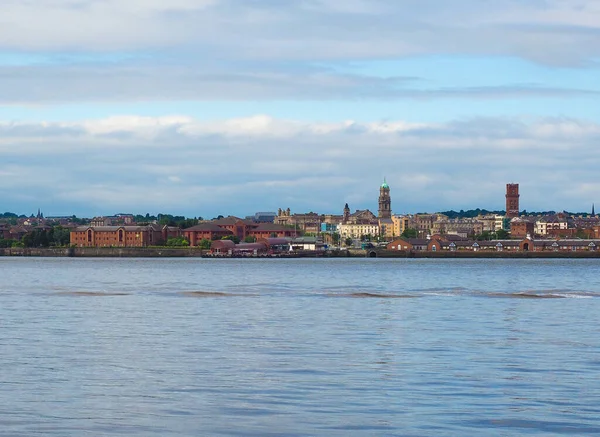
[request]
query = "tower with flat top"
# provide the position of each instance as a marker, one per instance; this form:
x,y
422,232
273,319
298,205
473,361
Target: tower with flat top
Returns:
x,y
512,200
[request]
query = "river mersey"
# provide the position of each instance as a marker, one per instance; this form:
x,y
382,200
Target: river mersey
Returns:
x,y
299,347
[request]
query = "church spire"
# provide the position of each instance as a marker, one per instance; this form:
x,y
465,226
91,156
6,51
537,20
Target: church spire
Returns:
x,y
593,212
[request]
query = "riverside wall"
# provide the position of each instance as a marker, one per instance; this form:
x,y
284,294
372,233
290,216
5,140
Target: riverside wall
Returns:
x,y
480,254
164,252
108,252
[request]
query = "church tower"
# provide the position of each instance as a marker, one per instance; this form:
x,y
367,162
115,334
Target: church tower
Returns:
x,y
346,217
385,202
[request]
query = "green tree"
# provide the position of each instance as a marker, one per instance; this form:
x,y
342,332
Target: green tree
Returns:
x,y
204,244
36,238
348,241
6,242
250,239
484,236
60,236
410,233
187,223
501,234
177,242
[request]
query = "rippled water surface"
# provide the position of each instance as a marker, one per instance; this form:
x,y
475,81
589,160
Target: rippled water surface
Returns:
x,y
294,347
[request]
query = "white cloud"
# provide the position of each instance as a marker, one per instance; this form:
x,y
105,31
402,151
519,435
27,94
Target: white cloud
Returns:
x,y
553,31
237,166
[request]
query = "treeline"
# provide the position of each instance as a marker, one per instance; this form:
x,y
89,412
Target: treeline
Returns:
x,y
471,213
54,237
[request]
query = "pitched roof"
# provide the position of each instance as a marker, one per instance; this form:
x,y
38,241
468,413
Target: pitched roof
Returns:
x,y
231,220
271,227
114,228
417,241
207,227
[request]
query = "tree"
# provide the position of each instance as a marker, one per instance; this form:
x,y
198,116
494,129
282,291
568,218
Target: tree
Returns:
x,y
60,236
250,239
177,242
501,234
335,237
410,233
36,238
6,243
348,241
204,244
484,236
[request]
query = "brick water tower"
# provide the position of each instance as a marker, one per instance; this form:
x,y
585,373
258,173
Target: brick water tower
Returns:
x,y
512,200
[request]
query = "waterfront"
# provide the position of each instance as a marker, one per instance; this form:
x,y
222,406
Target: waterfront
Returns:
x,y
186,347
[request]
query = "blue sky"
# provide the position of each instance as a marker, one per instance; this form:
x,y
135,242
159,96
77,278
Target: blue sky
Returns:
x,y
206,107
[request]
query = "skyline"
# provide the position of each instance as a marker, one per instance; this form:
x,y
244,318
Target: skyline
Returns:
x,y
200,107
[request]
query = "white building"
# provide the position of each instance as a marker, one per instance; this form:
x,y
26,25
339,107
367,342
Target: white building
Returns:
x,y
550,223
358,230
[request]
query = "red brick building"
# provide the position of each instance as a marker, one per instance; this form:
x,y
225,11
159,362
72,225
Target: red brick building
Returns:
x,y
238,227
122,236
234,226
205,231
269,230
512,200
521,227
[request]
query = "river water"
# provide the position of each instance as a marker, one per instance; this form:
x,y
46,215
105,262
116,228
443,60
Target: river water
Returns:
x,y
299,347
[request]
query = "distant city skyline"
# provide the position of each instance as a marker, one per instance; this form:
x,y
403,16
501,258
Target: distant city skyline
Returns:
x,y
208,107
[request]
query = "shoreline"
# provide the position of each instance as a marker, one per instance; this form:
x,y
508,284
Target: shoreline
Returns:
x,y
159,252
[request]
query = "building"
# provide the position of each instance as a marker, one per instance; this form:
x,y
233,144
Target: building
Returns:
x,y
512,200
360,217
271,230
358,230
309,222
491,222
238,227
423,223
361,223
521,227
222,247
462,227
101,221
205,231
122,236
551,225
385,202
16,232
400,224
263,217
276,245
307,243
409,244
386,228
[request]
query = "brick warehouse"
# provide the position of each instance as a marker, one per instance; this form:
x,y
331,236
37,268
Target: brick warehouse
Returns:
x,y
122,236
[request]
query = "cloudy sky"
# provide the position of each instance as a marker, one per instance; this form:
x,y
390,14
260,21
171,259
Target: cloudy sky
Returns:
x,y
206,107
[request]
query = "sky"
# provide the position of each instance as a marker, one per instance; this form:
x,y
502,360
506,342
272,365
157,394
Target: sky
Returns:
x,y
208,107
